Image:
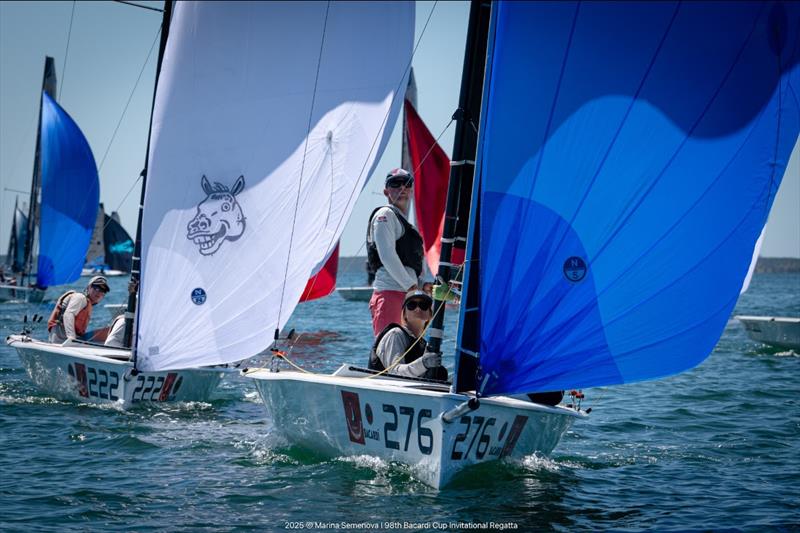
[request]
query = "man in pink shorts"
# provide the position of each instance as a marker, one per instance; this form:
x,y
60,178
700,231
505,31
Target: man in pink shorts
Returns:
x,y
394,251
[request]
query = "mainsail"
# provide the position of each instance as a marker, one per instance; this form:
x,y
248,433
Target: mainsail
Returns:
x,y
268,120
630,154
70,194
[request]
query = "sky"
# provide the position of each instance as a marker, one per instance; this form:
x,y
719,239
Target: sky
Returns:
x,y
105,63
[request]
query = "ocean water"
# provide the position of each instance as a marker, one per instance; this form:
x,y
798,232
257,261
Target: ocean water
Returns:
x,y
715,448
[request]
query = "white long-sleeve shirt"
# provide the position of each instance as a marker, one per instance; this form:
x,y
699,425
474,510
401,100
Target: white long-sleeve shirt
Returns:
x,y
116,334
393,345
385,229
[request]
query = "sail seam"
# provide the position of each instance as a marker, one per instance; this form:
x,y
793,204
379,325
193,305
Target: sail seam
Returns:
x,y
302,165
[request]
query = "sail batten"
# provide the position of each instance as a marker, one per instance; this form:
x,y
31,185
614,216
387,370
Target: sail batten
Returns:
x,y
631,154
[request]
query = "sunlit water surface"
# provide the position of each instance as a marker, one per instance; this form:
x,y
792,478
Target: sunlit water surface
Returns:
x,y
714,448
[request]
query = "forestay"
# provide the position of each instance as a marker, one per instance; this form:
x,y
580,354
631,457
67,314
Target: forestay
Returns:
x,y
70,195
268,120
630,155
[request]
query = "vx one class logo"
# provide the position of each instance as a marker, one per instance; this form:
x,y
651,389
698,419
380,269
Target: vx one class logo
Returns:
x,y
219,217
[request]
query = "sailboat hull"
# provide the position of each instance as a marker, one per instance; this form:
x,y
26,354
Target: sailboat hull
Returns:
x,y
783,332
100,375
355,294
400,420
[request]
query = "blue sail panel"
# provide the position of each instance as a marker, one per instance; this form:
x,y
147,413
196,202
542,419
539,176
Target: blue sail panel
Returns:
x,y
631,153
70,196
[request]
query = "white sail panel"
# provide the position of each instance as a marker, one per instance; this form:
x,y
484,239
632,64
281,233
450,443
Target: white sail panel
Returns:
x,y
268,120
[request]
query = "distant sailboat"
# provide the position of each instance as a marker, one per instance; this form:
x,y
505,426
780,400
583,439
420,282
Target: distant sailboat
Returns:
x,y
59,221
111,249
250,177
93,373
628,155
15,257
56,231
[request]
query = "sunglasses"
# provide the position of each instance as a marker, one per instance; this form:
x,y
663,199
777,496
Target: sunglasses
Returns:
x,y
423,305
396,184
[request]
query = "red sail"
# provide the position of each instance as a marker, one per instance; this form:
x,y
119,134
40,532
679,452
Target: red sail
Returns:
x,y
431,175
324,281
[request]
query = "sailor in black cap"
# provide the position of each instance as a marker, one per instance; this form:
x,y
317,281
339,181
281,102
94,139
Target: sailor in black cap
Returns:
x,y
394,251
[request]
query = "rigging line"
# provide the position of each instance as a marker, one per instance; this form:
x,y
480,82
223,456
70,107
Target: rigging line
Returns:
x,y
66,52
133,4
128,103
435,143
303,164
386,117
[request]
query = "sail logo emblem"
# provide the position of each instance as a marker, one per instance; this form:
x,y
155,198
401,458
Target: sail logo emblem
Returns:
x,y
198,296
352,414
575,269
219,216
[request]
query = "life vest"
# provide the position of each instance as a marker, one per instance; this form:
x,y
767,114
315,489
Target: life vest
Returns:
x,y
81,319
409,246
412,355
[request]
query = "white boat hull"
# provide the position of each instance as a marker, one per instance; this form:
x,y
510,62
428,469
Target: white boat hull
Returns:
x,y
783,332
86,272
100,375
355,294
401,421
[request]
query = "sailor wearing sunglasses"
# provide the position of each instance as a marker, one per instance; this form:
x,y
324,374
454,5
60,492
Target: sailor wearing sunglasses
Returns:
x,y
403,343
394,251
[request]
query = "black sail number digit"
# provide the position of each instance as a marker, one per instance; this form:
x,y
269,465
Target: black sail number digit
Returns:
x,y
390,426
461,437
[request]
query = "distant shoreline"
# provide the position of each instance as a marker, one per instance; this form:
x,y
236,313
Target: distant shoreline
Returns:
x,y
765,265
773,265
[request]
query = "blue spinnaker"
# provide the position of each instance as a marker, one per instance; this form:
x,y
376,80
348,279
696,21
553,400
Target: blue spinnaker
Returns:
x,y
70,196
630,154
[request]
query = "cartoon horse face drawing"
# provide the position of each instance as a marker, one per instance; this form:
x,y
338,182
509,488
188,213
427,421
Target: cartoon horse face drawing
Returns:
x,y
219,217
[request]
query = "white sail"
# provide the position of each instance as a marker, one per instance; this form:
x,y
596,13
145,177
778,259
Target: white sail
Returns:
x,y
268,120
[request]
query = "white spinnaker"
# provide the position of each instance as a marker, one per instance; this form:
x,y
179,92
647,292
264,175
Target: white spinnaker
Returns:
x,y
234,99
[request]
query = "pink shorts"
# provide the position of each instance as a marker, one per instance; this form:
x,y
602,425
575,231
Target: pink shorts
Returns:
x,y
385,307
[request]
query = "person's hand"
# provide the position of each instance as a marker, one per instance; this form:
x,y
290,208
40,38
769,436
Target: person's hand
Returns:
x,y
432,359
427,287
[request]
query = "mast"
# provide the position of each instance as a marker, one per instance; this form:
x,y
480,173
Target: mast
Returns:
x,y
462,166
130,313
48,86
